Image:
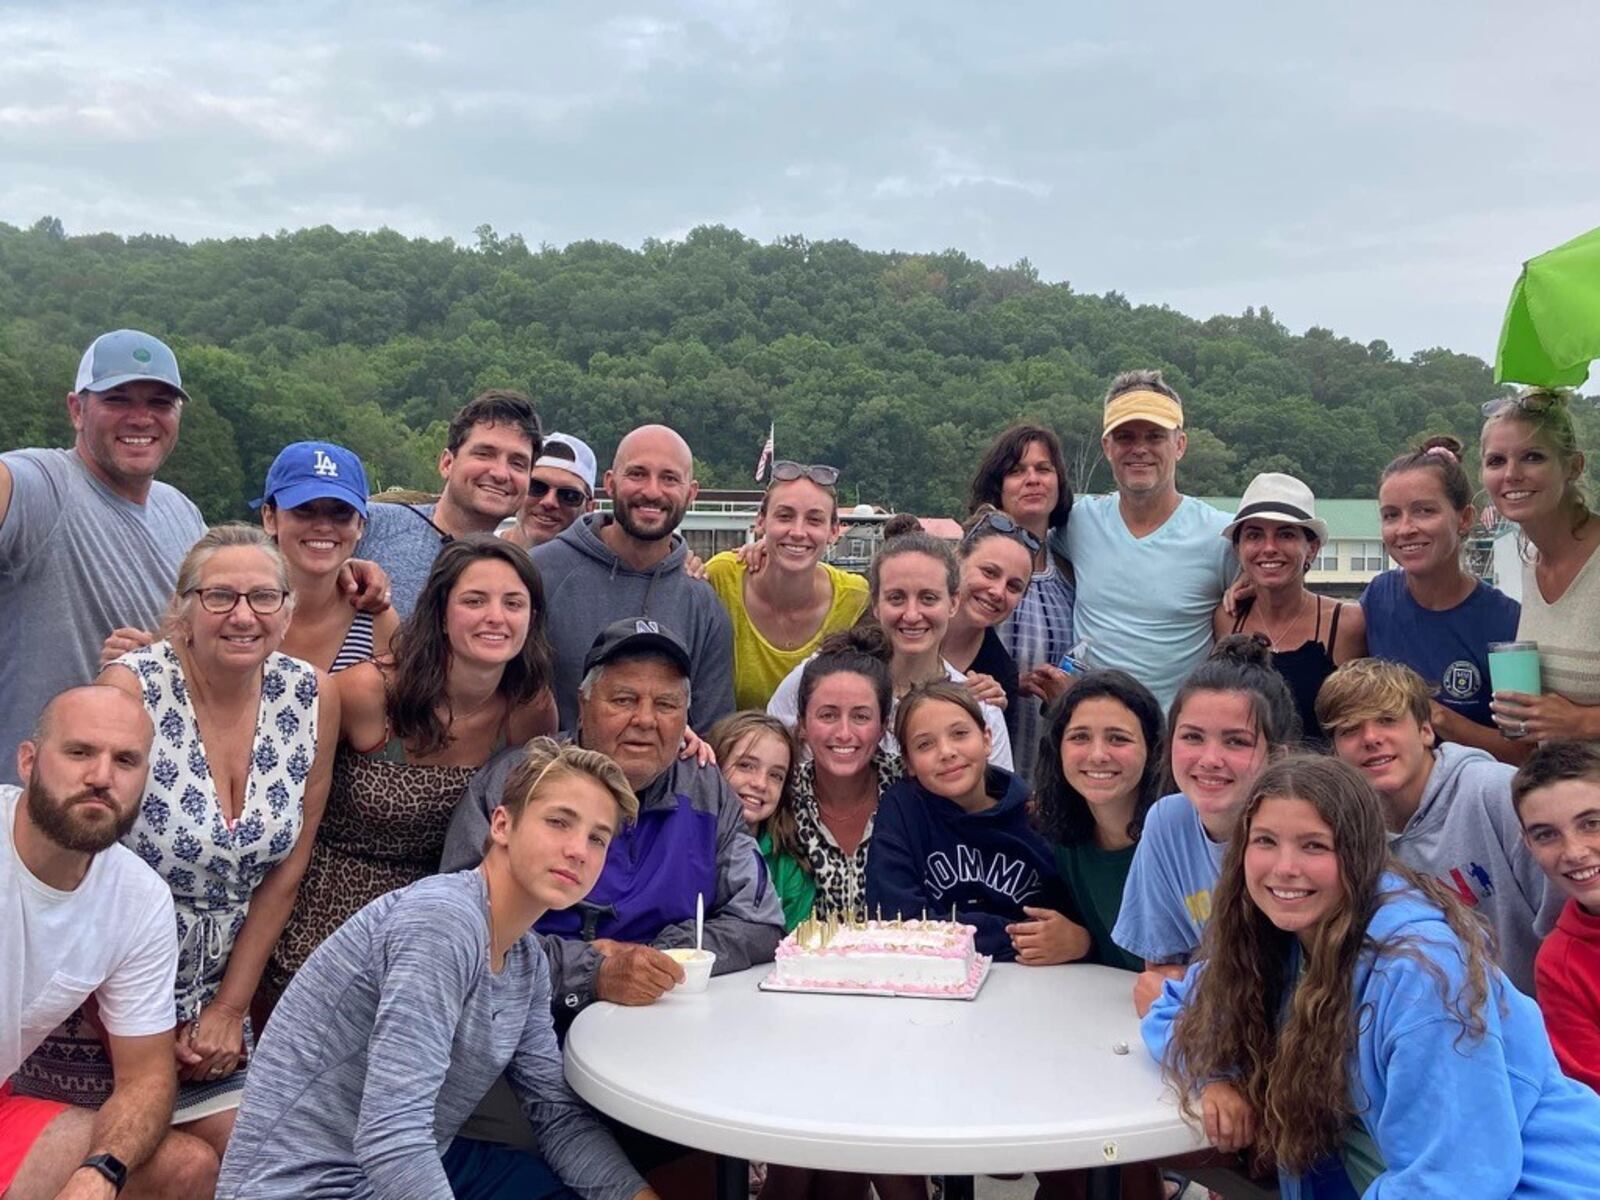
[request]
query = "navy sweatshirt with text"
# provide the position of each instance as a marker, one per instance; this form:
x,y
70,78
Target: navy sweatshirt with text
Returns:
x,y
928,854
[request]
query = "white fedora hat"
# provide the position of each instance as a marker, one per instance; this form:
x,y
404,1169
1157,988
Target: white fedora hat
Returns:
x,y
1273,496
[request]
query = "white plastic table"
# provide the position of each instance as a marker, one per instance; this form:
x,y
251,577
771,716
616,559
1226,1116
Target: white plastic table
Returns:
x,y
1024,1078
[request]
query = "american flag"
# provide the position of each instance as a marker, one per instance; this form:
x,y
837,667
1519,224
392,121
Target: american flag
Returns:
x,y
766,455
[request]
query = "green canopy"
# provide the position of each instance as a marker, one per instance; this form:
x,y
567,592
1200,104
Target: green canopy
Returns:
x,y
1552,328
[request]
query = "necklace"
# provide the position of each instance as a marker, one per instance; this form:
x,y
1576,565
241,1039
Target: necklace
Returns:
x,y
1288,626
788,629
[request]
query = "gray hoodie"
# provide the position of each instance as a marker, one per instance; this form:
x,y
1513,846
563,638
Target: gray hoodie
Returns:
x,y
586,587
1466,835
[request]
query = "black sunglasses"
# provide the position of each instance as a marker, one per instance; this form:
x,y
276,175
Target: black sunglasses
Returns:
x,y
567,497
1000,523
820,474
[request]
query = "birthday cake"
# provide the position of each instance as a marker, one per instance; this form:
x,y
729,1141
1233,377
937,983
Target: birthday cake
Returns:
x,y
929,958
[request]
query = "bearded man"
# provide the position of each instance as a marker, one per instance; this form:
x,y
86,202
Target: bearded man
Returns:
x,y
630,563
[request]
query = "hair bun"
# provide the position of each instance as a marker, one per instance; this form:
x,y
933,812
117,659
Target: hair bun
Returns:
x,y
866,638
1244,648
899,525
1443,444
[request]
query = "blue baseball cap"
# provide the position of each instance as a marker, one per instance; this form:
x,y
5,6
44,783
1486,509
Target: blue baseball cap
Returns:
x,y
124,356
306,471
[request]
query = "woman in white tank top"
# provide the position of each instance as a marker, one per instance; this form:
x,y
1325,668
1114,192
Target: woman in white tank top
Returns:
x,y
1532,469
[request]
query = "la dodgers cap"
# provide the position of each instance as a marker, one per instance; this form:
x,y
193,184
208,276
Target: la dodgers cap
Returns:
x,y
307,471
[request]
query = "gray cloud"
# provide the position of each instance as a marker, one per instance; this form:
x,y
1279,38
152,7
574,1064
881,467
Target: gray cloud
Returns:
x,y
1379,169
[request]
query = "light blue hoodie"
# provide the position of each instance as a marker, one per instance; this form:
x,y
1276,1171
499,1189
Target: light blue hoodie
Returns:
x,y
1457,1118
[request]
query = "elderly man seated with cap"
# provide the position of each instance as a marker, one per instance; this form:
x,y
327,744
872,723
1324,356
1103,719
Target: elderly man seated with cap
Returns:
x,y
560,490
689,841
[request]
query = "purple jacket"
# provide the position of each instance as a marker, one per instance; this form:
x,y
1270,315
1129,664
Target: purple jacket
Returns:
x,y
690,840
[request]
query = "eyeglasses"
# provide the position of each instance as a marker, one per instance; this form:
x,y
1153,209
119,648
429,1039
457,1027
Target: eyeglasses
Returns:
x,y
1536,401
1000,523
819,474
567,497
221,601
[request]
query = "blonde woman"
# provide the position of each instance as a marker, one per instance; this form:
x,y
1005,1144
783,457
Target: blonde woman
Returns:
x,y
238,778
1532,469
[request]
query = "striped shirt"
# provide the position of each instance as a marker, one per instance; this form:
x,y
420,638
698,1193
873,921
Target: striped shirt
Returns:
x,y
357,644
1040,631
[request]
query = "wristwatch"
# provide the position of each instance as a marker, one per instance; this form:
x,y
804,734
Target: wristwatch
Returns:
x,y
108,1165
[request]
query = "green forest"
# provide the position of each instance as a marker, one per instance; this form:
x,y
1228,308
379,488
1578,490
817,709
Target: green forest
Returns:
x,y
895,367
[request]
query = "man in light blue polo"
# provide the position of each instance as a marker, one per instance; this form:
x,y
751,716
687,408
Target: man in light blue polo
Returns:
x,y
1151,564
89,541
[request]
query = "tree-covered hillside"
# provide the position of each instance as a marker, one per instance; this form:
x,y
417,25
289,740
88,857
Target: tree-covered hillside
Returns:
x,y
896,367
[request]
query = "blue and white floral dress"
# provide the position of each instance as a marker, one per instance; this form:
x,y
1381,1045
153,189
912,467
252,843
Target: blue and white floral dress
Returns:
x,y
212,867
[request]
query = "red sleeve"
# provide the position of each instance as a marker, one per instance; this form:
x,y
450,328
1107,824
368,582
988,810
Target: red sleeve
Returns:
x,y
1567,976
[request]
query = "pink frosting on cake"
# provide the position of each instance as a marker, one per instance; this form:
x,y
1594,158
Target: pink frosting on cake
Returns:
x,y
970,984
832,942
955,941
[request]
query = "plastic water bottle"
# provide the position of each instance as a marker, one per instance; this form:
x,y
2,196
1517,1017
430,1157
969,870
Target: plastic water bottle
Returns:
x,y
1076,660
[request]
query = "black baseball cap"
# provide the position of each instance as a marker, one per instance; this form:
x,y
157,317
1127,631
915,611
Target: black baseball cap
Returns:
x,y
634,635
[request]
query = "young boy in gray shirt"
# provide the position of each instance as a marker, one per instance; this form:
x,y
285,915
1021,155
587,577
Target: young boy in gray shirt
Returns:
x,y
1448,807
396,1026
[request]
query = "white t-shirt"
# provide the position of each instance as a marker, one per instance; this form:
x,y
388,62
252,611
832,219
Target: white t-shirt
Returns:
x,y
785,705
114,936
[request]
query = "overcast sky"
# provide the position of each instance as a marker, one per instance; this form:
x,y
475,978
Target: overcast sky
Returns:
x,y
1381,169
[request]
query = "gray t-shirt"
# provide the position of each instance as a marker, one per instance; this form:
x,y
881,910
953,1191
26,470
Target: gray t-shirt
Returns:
x,y
402,540
76,561
386,1040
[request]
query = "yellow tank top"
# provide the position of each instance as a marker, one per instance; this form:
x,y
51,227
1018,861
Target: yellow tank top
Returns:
x,y
758,665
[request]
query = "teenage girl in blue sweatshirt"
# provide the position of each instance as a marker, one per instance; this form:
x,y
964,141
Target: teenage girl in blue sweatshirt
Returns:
x,y
1346,1005
953,835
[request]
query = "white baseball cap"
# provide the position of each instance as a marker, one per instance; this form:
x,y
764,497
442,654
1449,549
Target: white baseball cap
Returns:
x,y
581,463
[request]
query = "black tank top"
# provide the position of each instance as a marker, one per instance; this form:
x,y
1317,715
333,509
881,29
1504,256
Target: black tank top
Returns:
x,y
1304,669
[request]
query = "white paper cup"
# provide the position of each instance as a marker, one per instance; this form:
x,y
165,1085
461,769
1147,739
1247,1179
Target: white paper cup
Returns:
x,y
696,966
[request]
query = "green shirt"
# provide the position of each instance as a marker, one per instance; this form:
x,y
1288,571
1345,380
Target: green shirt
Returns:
x,y
1362,1160
797,891
1095,877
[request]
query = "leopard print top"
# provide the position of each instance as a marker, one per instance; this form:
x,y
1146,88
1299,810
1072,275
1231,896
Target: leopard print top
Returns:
x,y
384,829
841,878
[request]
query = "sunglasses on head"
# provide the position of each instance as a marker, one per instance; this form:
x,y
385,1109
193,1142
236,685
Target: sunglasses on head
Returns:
x,y
1533,402
1000,523
567,497
819,473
